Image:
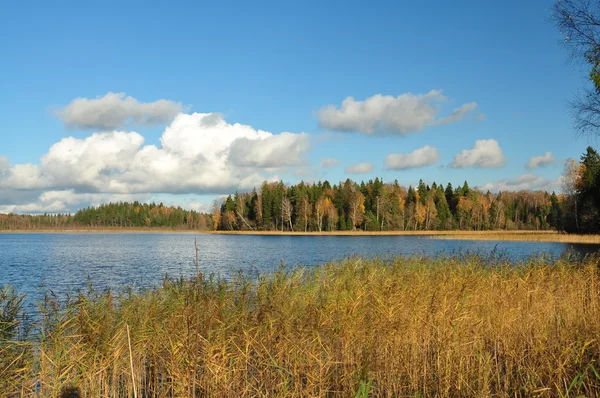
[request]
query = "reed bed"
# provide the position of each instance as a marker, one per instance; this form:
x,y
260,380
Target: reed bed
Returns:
x,y
501,235
427,327
522,236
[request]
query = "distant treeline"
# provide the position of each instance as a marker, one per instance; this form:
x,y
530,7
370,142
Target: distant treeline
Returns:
x,y
370,206
117,215
379,206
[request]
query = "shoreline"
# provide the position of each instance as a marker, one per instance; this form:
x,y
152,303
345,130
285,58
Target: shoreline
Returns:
x,y
500,235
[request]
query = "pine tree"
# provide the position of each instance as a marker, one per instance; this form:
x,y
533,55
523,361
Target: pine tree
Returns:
x,y
556,217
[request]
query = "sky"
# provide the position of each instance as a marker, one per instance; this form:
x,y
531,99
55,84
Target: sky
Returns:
x,y
184,102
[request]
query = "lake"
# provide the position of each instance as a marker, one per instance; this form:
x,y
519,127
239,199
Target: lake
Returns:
x,y
65,262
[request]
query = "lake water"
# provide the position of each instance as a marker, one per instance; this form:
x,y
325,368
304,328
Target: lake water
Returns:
x,y
64,263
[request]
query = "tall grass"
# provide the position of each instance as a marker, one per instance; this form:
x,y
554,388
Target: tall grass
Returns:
x,y
15,350
450,326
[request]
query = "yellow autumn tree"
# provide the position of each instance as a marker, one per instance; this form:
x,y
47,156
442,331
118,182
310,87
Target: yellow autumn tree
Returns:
x,y
216,215
357,207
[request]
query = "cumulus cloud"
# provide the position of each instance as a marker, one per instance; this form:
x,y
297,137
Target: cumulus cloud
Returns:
x,y
359,168
485,154
23,176
385,114
329,162
4,164
116,110
525,182
418,158
199,153
541,161
64,201
285,149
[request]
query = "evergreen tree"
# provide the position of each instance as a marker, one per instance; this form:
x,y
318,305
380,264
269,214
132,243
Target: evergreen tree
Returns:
x,y
556,217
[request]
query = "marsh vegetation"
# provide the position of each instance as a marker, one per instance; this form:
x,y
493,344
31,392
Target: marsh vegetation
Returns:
x,y
447,326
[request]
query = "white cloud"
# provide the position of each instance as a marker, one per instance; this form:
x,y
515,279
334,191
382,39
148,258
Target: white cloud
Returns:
x,y
23,176
4,164
329,162
200,153
485,154
90,163
285,149
385,114
457,113
418,158
541,161
525,182
481,117
115,110
65,201
359,168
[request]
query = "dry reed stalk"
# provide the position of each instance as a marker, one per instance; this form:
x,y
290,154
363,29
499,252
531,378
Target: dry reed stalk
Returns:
x,y
450,326
131,363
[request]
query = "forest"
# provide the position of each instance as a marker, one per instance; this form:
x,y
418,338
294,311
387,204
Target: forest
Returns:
x,y
112,215
370,206
379,206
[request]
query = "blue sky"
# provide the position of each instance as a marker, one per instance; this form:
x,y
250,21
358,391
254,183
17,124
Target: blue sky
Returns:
x,y
274,67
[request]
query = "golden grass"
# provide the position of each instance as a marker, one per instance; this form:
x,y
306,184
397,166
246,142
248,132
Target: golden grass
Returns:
x,y
523,236
385,233
446,327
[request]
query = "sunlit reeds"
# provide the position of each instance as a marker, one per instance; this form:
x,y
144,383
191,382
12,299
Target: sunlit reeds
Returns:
x,y
451,326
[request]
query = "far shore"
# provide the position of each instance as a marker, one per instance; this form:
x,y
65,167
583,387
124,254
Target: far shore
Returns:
x,y
529,236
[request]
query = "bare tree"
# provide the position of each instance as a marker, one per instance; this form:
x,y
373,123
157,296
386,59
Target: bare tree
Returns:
x,y
320,209
332,217
579,23
497,212
304,211
240,209
286,213
569,185
259,209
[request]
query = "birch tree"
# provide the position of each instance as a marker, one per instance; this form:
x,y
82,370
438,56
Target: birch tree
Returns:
x,y
320,212
304,211
357,207
286,212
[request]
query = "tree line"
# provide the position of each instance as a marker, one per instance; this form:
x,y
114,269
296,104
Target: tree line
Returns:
x,y
379,206
113,215
371,206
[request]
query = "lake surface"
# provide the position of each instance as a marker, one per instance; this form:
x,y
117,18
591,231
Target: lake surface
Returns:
x,y
65,262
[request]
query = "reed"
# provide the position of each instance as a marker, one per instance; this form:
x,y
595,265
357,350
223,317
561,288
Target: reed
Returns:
x,y
500,235
447,327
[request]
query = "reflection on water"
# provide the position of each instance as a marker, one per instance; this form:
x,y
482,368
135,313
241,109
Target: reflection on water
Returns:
x,y
66,262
